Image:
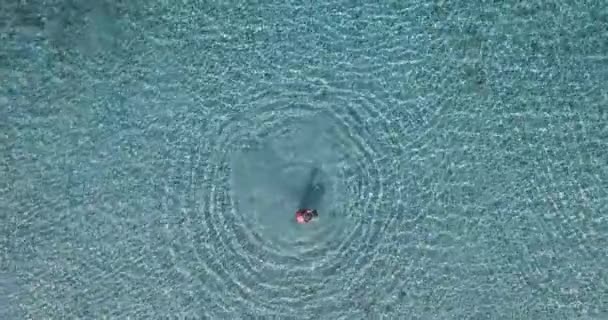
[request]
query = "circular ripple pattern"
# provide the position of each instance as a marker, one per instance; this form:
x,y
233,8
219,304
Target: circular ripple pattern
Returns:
x,y
153,169
266,260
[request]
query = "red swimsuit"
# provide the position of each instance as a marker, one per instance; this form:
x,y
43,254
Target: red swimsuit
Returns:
x,y
304,216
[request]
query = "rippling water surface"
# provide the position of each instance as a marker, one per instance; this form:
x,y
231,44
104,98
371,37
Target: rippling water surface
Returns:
x,y
153,154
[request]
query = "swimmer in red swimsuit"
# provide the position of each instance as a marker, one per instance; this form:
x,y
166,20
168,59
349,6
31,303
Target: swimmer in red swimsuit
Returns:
x,y
305,215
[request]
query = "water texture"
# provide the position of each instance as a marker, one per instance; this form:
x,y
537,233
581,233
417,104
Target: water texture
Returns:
x,y
152,155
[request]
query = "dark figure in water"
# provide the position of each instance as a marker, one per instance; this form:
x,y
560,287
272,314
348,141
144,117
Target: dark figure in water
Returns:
x,y
313,193
305,215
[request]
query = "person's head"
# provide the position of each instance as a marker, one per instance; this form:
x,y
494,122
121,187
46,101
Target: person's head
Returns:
x,y
308,216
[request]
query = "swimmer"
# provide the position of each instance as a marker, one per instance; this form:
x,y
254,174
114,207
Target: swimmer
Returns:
x,y
305,215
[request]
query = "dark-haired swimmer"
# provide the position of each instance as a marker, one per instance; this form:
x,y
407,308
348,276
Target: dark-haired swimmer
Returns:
x,y
306,215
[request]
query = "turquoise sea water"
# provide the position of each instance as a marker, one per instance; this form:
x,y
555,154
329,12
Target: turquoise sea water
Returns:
x,y
153,154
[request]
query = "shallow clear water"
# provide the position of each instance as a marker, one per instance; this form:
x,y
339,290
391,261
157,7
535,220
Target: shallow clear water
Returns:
x,y
153,154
